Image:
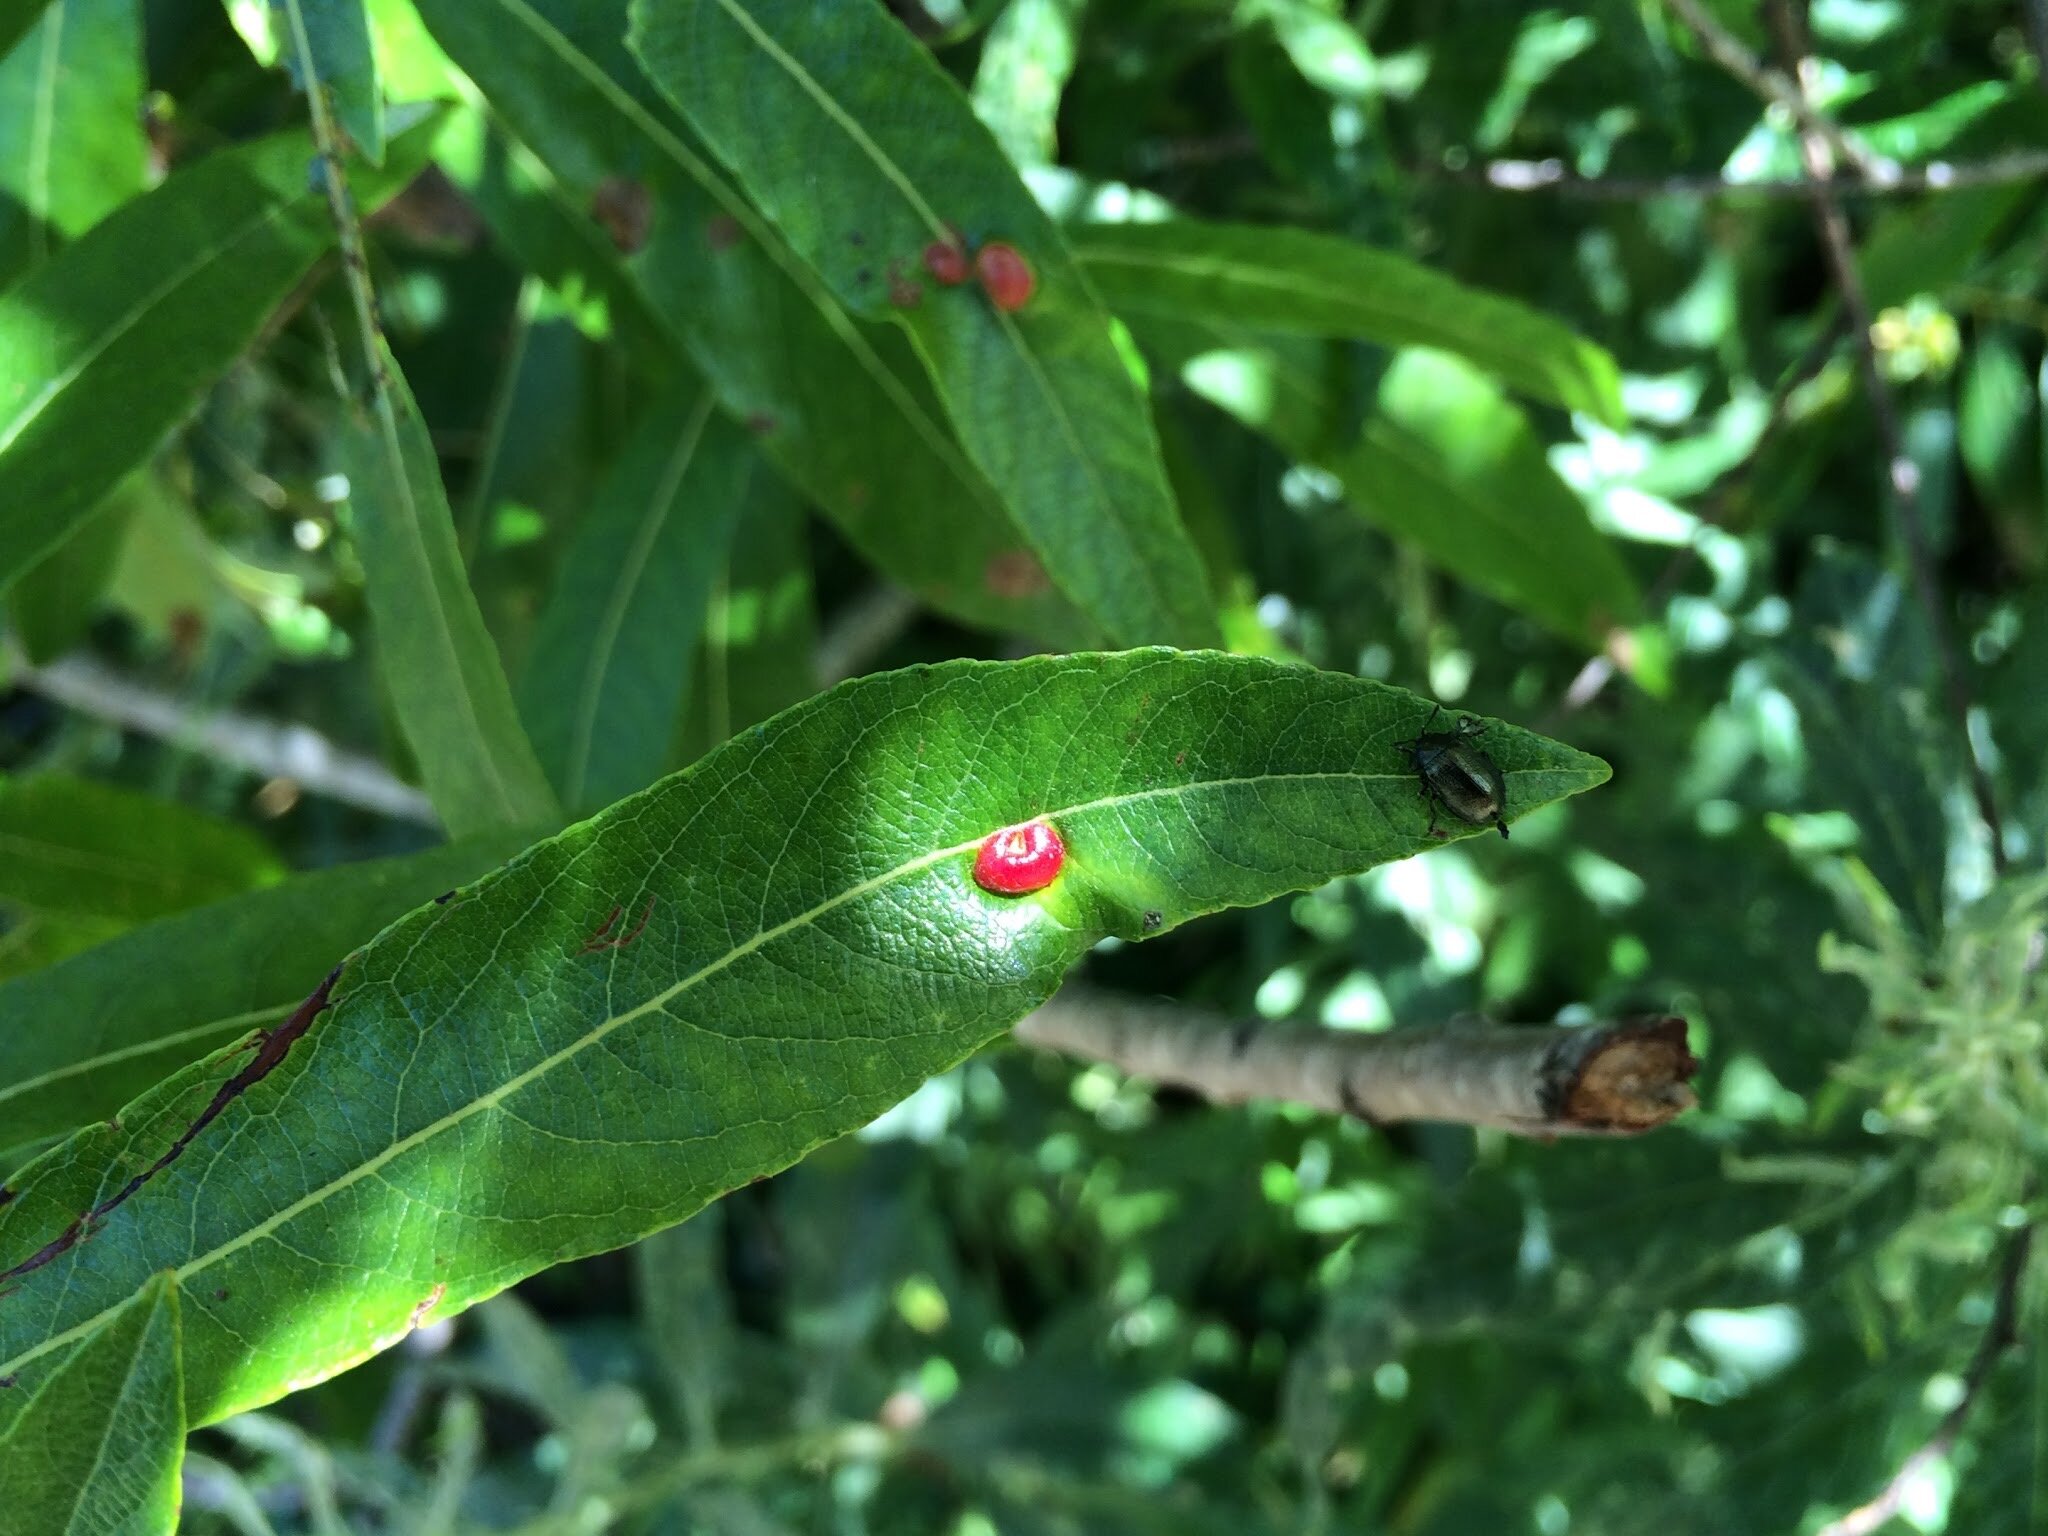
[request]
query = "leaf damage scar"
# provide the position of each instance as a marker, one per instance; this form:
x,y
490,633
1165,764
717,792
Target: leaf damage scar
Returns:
x,y
599,939
270,1050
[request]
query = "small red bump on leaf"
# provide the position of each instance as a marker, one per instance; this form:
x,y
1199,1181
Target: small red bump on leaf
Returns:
x,y
946,262
1019,860
1006,277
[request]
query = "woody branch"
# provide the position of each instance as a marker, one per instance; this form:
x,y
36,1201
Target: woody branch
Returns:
x,y
1616,1078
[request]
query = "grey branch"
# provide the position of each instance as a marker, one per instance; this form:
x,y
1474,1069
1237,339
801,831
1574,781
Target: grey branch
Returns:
x,y
870,624
269,748
1617,1078
1880,179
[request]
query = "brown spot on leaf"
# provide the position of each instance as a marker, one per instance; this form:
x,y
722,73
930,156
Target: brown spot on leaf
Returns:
x,y
761,423
721,231
271,1046
605,939
905,291
1015,573
625,210
427,1304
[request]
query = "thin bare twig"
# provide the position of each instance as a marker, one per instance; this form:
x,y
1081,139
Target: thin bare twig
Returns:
x,y
867,627
348,229
273,749
1884,179
1776,88
1999,1336
1902,476
1618,1078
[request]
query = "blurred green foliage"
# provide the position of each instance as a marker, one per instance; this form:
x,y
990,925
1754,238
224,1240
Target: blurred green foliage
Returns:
x,y
1036,1297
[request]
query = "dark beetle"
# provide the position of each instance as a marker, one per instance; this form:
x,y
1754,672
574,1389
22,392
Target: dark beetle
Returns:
x,y
1457,775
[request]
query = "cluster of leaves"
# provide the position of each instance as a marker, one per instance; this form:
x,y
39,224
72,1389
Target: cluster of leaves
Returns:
x,y
545,395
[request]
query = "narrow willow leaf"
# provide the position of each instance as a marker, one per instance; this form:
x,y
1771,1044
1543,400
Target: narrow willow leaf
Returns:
x,y
327,43
761,632
616,642
54,601
97,1450
74,846
1025,64
528,213
437,658
71,145
837,407
1451,468
864,152
1304,283
695,988
33,940
88,1034
16,17
110,344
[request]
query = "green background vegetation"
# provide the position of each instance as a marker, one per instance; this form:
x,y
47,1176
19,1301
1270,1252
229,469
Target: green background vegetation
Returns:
x,y
1498,356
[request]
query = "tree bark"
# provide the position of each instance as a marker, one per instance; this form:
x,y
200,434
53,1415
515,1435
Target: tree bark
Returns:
x,y
1616,1078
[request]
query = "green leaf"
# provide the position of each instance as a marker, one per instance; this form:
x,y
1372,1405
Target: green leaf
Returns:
x,y
327,42
617,642
529,215
97,1450
71,146
863,151
695,988
450,692
33,940
88,1034
110,344
1998,429
56,600
1025,64
1453,469
761,634
836,406
16,17
1302,283
73,846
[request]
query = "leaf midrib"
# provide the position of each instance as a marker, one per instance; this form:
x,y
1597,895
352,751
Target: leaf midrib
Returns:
x,y
800,276
659,1000
149,1047
899,178
65,377
1289,284
621,597
165,880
